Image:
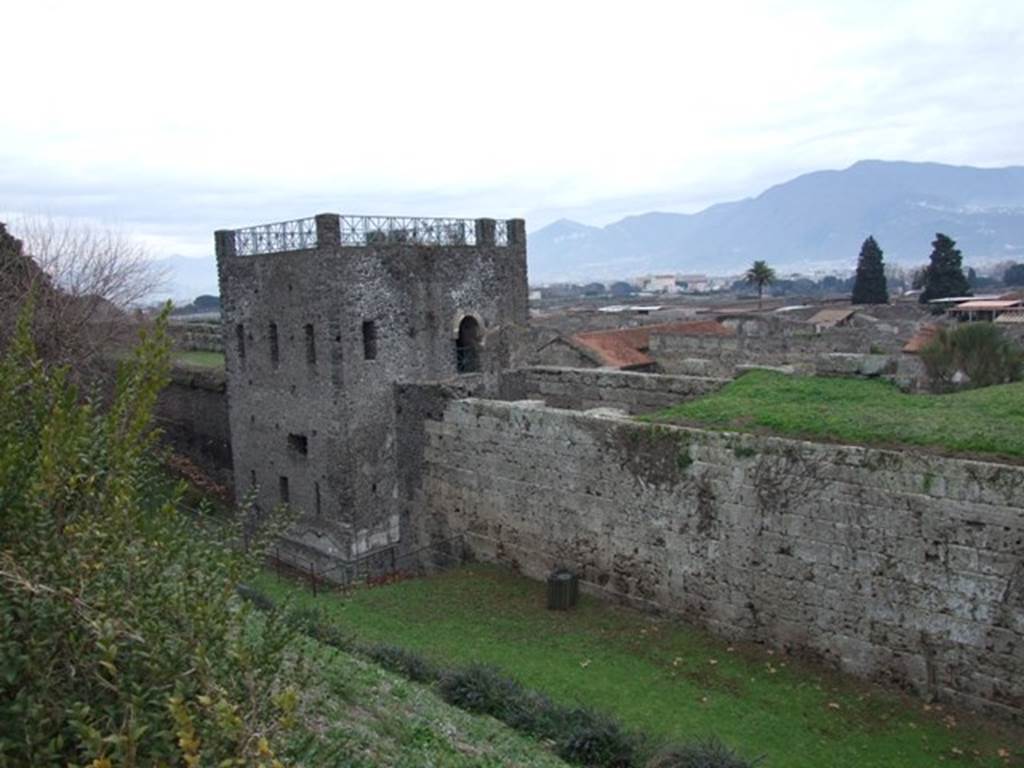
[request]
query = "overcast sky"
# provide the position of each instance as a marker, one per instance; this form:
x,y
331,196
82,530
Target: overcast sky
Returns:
x,y
174,119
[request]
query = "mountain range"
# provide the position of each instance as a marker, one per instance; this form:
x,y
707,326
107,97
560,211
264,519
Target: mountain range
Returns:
x,y
816,221
185,277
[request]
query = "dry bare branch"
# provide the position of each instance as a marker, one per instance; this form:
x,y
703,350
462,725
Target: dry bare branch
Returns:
x,y
88,282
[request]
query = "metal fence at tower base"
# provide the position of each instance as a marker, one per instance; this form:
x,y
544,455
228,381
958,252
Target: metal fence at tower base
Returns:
x,y
380,566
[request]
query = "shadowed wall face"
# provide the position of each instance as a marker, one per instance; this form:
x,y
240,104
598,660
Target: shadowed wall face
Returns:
x,y
192,412
318,338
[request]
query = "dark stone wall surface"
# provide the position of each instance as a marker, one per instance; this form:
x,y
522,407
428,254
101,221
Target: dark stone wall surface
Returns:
x,y
898,566
318,425
192,412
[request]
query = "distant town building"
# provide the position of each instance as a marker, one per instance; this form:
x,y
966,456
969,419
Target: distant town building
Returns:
x,y
676,283
985,309
661,284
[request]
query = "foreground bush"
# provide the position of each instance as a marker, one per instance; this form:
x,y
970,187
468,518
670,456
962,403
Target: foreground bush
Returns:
x,y
595,740
308,621
709,754
485,691
406,663
977,350
581,737
122,639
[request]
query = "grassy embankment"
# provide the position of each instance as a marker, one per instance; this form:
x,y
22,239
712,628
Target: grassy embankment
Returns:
x,y
200,359
367,717
986,421
659,676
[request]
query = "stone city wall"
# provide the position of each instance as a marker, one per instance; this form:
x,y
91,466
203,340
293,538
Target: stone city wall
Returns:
x,y
772,341
897,566
582,388
192,411
197,337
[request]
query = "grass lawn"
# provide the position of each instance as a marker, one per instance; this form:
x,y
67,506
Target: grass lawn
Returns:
x,y
978,421
363,716
200,359
660,676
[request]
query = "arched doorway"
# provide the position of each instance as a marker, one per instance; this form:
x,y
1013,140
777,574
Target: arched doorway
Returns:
x,y
467,345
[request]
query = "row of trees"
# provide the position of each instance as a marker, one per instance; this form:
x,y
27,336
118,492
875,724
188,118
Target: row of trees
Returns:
x,y
942,278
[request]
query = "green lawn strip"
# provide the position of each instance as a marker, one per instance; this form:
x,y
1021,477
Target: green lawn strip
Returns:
x,y
657,676
200,359
872,412
361,715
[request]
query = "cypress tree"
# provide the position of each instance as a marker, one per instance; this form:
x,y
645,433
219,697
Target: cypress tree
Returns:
x,y
869,286
944,276
1014,275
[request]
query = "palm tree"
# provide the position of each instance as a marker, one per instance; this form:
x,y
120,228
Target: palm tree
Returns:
x,y
760,274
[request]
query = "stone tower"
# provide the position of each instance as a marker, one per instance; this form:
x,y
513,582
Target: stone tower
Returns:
x,y
322,317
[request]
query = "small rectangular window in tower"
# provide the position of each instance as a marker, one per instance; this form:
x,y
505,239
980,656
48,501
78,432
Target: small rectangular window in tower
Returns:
x,y
369,340
334,332
310,345
282,489
299,444
240,341
316,489
274,353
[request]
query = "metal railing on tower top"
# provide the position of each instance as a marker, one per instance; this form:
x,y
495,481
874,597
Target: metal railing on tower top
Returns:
x,y
358,231
273,238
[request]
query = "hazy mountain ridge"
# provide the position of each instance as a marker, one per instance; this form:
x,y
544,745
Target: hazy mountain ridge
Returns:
x,y
818,219
186,277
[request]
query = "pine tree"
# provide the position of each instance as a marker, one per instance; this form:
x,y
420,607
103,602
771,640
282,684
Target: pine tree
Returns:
x,y
869,286
944,276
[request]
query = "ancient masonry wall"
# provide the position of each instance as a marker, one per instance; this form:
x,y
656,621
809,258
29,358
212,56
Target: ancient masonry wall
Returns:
x,y
896,566
197,337
578,388
770,341
192,411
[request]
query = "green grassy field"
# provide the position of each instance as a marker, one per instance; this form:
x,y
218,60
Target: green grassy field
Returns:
x,y
200,359
363,717
978,421
659,676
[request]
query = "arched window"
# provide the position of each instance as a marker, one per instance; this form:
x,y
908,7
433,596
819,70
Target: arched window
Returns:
x,y
467,346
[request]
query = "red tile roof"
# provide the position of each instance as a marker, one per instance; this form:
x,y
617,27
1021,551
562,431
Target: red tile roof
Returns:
x,y
924,334
627,347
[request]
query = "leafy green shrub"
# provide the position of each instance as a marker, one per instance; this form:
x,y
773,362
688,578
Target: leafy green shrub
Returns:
x,y
707,754
312,622
595,740
485,691
979,350
583,737
122,638
411,665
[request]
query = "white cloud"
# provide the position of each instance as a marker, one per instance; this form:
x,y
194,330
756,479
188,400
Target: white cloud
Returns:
x,y
181,118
